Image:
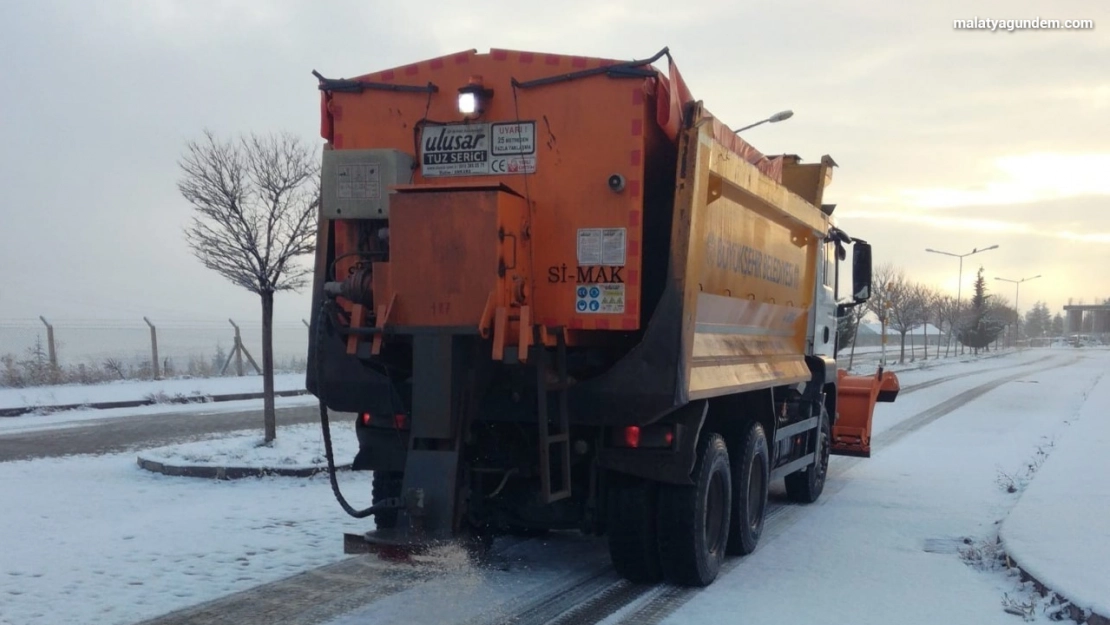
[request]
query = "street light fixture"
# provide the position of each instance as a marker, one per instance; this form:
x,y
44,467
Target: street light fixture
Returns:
x,y
774,119
960,283
1017,292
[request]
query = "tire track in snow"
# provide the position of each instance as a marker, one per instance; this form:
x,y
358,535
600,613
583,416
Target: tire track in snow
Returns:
x,y
667,602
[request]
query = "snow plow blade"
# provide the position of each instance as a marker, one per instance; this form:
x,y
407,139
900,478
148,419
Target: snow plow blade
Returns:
x,y
855,405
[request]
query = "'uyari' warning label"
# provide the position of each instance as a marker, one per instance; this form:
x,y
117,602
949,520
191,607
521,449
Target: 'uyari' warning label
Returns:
x,y
600,298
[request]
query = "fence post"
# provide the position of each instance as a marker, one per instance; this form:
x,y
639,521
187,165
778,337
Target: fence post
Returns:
x,y
153,347
238,349
50,345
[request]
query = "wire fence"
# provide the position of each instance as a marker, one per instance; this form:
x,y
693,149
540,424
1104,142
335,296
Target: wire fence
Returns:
x,y
38,352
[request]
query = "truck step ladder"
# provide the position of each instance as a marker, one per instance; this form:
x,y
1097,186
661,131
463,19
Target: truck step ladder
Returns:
x,y
560,437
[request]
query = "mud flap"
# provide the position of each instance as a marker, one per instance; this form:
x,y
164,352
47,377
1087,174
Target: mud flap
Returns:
x,y
855,405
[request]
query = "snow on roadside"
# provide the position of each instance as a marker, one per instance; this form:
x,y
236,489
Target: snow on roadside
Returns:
x,y
75,418
99,541
128,390
889,531
1059,532
295,447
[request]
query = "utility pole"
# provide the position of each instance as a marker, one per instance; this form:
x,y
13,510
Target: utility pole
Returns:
x,y
960,283
1017,308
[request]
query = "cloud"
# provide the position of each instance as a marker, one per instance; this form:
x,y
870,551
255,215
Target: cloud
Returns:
x,y
1019,179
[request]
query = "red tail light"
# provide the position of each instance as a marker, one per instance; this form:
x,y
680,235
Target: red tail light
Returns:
x,y
632,436
655,436
399,421
366,418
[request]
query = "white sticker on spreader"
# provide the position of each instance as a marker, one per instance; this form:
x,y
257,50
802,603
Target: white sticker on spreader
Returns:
x,y
589,246
602,246
613,246
607,298
359,181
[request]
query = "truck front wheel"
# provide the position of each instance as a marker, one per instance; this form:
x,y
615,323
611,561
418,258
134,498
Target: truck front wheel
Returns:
x,y
694,520
806,485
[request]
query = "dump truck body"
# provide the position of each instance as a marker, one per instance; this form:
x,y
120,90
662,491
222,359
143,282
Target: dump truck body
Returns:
x,y
553,288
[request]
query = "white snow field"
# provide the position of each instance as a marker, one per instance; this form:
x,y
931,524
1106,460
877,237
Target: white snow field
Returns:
x,y
1060,530
97,540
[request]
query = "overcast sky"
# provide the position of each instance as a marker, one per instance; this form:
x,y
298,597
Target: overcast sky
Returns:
x,y
945,138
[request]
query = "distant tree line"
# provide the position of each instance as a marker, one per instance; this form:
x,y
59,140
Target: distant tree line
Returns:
x,y
976,323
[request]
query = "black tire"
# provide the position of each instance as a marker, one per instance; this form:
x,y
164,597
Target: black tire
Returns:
x,y
751,474
631,528
806,485
694,520
386,484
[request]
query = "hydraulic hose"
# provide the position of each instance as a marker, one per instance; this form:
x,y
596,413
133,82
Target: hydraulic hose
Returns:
x,y
321,318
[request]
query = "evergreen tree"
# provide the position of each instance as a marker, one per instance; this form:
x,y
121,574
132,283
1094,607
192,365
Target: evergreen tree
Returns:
x,y
1058,325
981,326
1038,321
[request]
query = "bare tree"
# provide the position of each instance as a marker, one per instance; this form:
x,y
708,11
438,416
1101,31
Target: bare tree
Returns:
x,y
254,201
926,296
884,291
945,312
852,319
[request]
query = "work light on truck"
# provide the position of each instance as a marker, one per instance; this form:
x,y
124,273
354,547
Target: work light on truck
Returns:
x,y
468,103
474,97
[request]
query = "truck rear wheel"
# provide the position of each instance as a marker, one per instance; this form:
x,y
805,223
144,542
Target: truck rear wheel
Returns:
x,y
694,520
631,528
386,484
750,481
806,486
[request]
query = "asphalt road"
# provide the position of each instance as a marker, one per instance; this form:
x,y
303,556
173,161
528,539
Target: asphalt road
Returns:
x,y
119,434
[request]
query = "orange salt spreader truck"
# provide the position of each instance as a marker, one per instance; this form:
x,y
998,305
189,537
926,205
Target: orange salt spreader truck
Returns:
x,y
558,294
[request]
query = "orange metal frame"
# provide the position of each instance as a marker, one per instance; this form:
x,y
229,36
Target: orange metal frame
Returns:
x,y
856,396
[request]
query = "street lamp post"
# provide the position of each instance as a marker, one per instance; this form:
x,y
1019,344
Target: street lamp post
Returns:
x,y
774,119
1017,293
960,284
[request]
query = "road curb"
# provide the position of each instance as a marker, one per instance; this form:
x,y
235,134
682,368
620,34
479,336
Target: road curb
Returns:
x,y
230,473
192,399
1073,612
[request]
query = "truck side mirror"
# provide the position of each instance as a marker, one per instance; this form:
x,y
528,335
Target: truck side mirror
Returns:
x,y
861,271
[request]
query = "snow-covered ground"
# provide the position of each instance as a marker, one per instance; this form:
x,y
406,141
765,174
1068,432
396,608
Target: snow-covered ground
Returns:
x,y
865,554
1060,530
130,390
97,540
297,447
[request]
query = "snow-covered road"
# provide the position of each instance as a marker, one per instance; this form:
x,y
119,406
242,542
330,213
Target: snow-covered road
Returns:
x,y
96,540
